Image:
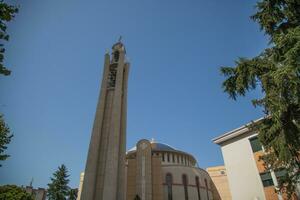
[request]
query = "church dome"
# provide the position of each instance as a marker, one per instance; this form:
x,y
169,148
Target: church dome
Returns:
x,y
163,150
156,146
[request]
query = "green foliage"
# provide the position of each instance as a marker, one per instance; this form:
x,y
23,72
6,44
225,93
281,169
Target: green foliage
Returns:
x,y
13,192
277,72
58,188
7,13
73,194
5,138
137,197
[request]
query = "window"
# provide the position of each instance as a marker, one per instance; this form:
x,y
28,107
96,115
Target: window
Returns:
x,y
280,174
266,179
206,187
185,185
163,157
168,157
255,144
173,158
198,187
169,181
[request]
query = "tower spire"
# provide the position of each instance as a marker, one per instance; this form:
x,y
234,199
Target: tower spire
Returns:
x,y
31,182
104,177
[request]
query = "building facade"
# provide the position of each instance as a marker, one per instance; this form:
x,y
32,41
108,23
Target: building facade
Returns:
x,y
247,176
218,175
157,171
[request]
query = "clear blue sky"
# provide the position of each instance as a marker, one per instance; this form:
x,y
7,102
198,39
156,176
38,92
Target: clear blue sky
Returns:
x,y
175,48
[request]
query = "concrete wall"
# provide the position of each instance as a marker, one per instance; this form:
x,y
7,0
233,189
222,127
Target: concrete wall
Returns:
x,y
243,176
80,185
218,175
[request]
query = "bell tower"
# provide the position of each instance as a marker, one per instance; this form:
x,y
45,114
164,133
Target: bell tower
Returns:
x,y
104,177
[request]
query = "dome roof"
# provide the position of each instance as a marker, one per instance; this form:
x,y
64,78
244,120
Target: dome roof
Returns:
x,y
157,146
160,147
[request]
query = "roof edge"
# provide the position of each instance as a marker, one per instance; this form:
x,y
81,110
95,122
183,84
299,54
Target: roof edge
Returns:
x,y
234,133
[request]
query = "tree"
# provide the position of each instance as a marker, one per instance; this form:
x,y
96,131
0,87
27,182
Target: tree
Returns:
x,y
73,194
13,192
137,197
58,189
7,13
5,138
277,72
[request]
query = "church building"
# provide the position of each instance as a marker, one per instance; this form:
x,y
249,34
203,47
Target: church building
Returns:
x,y
149,171
157,171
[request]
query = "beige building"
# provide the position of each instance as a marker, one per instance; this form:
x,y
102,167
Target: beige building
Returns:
x,y
105,165
151,170
248,179
157,171
218,175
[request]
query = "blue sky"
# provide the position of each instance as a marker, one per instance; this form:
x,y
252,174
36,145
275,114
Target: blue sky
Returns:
x,y
176,48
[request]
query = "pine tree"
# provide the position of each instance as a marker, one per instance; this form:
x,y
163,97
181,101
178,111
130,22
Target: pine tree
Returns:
x,y
73,194
277,72
5,138
58,189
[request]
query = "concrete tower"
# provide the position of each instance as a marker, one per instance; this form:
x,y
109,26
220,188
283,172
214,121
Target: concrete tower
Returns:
x,y
104,177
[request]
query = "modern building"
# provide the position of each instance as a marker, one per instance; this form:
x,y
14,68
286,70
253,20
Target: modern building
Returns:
x,y
218,175
248,179
157,171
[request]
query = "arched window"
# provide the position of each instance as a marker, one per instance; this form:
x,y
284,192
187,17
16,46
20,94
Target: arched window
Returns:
x,y
206,186
185,185
169,181
198,187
